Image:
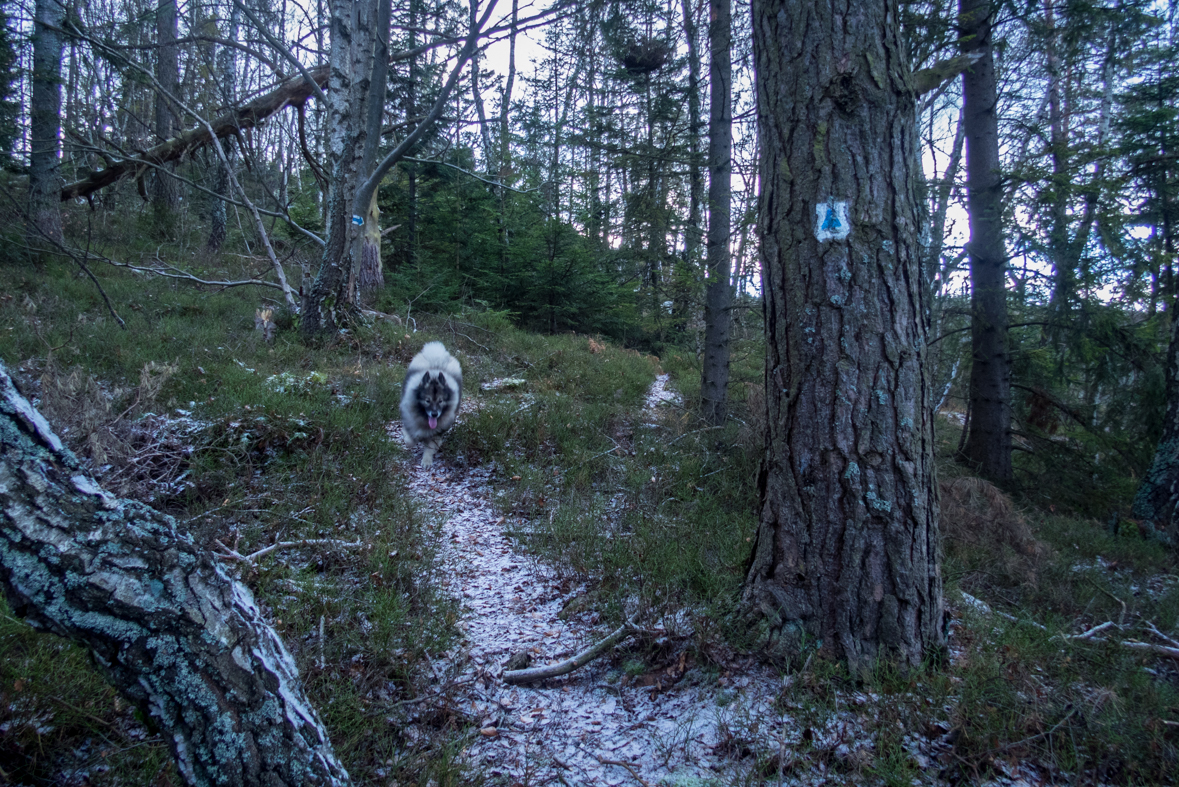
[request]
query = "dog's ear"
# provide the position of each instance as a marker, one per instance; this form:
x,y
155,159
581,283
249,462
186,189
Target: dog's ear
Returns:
x,y
441,380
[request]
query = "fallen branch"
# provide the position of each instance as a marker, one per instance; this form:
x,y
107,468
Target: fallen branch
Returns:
x,y
533,674
292,92
633,771
252,558
1093,631
1158,650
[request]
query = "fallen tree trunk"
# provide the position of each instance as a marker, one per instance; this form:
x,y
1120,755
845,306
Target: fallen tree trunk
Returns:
x,y
164,621
292,92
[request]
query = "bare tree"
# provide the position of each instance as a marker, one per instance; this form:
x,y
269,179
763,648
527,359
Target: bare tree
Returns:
x,y
45,124
718,297
333,295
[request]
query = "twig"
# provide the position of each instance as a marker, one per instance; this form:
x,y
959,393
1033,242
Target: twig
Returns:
x,y
322,662
1122,618
252,558
629,767
569,665
1043,734
1091,633
1158,650
1151,628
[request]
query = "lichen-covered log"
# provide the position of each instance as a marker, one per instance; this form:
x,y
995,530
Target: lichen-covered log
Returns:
x,y
164,622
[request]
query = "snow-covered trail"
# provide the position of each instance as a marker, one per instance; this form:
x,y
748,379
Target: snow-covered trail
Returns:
x,y
579,729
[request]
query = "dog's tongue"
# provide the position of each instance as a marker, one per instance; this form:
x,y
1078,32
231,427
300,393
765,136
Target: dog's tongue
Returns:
x,y
433,422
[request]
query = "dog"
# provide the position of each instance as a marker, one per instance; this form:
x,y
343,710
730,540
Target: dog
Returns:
x,y
430,399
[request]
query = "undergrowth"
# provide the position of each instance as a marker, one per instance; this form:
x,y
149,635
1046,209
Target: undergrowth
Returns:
x,y
651,511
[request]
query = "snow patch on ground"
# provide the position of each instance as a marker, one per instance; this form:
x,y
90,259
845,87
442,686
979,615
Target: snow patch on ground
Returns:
x,y
589,727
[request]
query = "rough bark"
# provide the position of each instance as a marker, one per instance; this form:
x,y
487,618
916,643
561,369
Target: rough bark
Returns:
x,y
718,296
165,193
325,304
226,65
987,448
45,124
846,554
164,622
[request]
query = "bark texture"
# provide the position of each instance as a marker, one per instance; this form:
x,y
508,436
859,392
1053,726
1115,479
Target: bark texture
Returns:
x,y
164,622
45,124
718,296
165,191
988,440
327,304
846,552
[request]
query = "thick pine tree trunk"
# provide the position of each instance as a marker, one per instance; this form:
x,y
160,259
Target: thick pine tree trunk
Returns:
x,y
718,296
164,622
45,125
846,553
988,441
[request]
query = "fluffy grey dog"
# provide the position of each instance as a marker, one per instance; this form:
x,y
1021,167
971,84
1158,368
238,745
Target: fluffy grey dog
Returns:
x,y
430,399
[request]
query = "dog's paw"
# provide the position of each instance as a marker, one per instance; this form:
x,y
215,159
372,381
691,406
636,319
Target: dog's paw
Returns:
x,y
428,457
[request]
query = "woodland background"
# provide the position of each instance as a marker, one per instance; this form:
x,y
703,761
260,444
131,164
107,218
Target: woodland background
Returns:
x,y
567,195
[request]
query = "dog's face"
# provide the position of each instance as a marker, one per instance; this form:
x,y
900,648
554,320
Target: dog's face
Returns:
x,y
434,396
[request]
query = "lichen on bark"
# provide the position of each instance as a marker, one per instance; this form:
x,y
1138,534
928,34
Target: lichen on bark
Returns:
x,y
165,623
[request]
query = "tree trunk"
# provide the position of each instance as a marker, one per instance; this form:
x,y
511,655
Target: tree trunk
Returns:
x,y
1156,503
226,76
718,297
988,442
331,296
165,194
686,274
163,621
45,125
331,299
846,554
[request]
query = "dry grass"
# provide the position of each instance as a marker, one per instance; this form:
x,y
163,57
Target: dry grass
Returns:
x,y
980,520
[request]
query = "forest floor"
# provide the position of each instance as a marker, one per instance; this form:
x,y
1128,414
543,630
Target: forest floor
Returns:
x,y
606,724
595,725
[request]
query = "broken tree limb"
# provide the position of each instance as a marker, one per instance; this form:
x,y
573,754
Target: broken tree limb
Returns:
x,y
533,674
252,558
162,619
292,92
943,71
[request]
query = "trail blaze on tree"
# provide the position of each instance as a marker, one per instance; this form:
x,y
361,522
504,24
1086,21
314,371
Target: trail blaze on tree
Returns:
x,y
846,552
